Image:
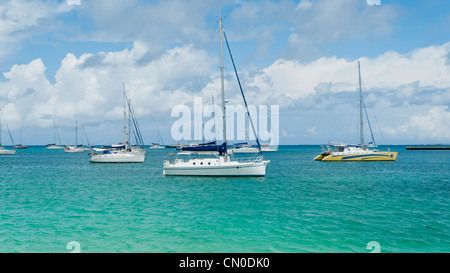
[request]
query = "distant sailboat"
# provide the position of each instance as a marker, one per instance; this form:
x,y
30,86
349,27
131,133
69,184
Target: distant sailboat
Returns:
x,y
4,151
75,148
244,148
54,145
20,146
124,152
356,152
157,145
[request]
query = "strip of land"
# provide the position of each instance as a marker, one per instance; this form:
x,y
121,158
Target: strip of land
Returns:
x,y
427,147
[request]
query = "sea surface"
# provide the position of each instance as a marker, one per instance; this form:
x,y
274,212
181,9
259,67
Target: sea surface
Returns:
x,y
52,201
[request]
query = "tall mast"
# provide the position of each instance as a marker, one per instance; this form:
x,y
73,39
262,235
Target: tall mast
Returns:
x,y
124,117
361,124
76,133
215,127
222,85
129,122
222,89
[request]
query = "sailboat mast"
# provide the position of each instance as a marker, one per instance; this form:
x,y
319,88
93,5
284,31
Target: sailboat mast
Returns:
x,y
361,121
124,117
54,132
222,85
76,133
215,127
129,122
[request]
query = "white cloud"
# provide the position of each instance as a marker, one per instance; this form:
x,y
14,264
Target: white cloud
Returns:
x,y
89,88
20,18
400,76
433,126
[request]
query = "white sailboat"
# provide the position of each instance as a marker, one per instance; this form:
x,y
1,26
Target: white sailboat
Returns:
x,y
269,148
217,161
123,153
157,145
244,148
54,145
356,152
75,148
4,151
20,146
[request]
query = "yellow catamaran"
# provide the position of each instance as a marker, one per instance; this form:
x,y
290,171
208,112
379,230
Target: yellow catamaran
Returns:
x,y
355,152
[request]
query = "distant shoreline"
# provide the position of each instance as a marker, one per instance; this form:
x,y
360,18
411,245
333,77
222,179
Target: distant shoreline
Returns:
x,y
428,147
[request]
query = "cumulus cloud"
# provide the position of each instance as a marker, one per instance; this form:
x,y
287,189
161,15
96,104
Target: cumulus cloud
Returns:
x,y
89,87
398,86
434,125
92,93
403,78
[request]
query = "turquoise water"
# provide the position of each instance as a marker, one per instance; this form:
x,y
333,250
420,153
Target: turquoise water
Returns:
x,y
50,198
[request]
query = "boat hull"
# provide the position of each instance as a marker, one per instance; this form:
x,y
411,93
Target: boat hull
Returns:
x,y
118,158
54,147
7,152
230,169
321,156
245,150
373,156
74,150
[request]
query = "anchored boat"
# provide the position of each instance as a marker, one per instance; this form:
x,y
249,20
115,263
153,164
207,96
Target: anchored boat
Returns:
x,y
124,152
214,160
356,152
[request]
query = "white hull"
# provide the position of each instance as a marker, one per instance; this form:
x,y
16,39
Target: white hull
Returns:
x,y
269,149
245,150
6,152
118,157
215,167
74,150
54,147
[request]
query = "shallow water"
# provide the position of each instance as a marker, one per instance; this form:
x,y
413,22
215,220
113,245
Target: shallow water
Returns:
x,y
49,198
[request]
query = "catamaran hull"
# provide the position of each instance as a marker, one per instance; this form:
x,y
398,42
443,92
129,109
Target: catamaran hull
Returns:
x,y
375,156
321,156
231,170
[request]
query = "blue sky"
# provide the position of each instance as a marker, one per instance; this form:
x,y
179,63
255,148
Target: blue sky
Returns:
x,y
61,63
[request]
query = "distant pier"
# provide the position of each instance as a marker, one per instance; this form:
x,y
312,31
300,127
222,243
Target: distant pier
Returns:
x,y
428,147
